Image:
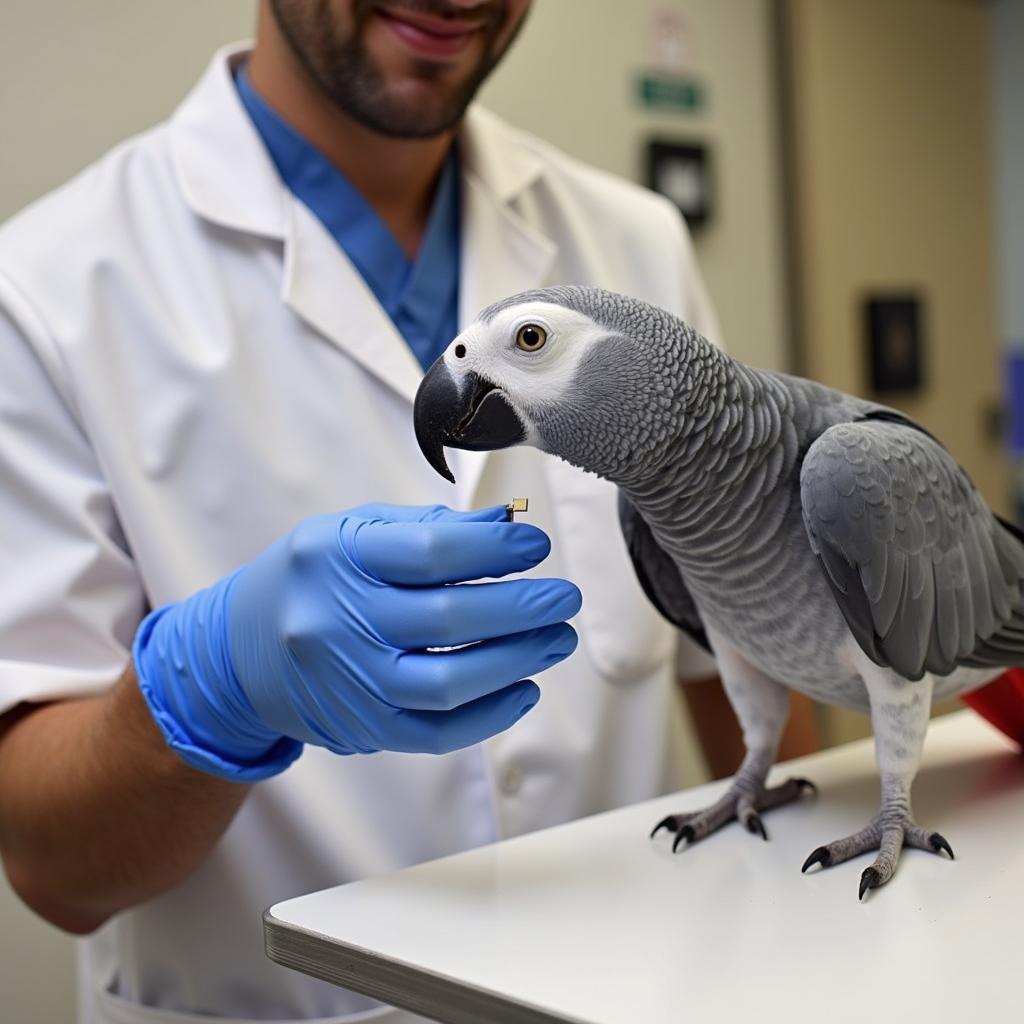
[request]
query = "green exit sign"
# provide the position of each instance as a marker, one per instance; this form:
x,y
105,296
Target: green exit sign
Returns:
x,y
670,92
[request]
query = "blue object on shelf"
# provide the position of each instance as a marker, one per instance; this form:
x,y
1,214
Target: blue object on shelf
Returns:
x,y
1014,384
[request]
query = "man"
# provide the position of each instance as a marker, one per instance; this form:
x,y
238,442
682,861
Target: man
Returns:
x,y
210,344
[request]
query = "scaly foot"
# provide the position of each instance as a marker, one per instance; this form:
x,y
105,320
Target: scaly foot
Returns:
x,y
742,801
887,833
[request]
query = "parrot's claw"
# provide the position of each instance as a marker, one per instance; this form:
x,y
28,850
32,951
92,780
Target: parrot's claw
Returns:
x,y
670,821
870,879
819,856
887,835
676,823
742,802
755,825
685,834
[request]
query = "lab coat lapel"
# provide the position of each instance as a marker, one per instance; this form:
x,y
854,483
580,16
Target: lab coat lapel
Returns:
x,y
229,179
324,288
501,254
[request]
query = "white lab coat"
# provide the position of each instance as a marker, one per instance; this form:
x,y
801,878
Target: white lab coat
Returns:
x,y
189,365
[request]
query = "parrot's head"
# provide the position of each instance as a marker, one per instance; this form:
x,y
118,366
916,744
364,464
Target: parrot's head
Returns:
x,y
595,378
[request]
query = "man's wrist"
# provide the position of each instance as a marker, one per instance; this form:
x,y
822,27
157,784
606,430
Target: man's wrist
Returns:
x,y
186,678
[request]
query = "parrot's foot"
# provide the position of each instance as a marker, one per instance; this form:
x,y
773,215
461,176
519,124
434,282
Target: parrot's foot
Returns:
x,y
886,833
742,801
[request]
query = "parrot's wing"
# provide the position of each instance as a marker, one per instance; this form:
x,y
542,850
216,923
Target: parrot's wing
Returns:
x,y
658,574
926,576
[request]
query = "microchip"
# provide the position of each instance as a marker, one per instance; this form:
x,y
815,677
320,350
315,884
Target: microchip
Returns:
x,y
517,505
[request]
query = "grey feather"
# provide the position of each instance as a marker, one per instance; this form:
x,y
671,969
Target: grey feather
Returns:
x,y
912,572
658,575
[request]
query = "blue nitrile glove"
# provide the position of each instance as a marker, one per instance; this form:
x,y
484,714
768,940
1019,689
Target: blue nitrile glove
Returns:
x,y
324,639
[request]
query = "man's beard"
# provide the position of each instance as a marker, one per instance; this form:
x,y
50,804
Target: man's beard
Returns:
x,y
345,71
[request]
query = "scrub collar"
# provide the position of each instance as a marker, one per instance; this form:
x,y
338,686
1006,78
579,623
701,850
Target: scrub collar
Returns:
x,y
420,296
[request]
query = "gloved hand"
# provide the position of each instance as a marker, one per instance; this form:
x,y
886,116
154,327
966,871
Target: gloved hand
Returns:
x,y
324,639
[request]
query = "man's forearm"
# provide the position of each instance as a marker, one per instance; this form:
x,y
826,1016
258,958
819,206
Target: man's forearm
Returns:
x,y
96,813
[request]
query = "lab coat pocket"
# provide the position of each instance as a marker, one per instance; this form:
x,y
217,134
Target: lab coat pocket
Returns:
x,y
113,1009
626,638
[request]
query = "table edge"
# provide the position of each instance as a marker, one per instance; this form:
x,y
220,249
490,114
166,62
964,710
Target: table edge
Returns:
x,y
394,981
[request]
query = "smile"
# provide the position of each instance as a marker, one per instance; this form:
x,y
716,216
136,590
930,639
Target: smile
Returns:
x,y
429,36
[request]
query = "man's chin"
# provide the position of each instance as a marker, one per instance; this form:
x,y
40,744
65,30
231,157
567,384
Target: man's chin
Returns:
x,y
413,110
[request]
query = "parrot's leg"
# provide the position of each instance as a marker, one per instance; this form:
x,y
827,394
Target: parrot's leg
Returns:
x,y
762,707
899,717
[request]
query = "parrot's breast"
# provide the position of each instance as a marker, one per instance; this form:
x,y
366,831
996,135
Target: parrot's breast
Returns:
x,y
776,608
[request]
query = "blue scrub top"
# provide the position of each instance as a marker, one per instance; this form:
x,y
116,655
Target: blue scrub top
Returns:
x,y
421,296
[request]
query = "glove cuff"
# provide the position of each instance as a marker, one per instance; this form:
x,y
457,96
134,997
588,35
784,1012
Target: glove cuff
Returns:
x,y
187,680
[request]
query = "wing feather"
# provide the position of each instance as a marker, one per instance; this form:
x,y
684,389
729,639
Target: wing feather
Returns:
x,y
658,575
925,575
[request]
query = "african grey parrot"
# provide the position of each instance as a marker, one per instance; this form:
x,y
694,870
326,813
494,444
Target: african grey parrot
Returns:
x,y
810,539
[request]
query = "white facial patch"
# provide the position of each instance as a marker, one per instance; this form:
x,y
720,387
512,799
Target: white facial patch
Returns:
x,y
527,379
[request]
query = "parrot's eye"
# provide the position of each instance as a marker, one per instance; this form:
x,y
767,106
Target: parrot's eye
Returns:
x,y
531,337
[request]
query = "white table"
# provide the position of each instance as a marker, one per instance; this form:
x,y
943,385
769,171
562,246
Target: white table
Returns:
x,y
593,922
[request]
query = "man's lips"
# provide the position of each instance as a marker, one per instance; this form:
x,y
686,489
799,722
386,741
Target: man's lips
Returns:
x,y
430,36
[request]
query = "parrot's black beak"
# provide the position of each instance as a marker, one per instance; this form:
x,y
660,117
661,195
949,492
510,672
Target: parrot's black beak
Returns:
x,y
476,416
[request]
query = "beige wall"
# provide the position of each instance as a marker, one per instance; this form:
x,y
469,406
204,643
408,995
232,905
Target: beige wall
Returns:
x,y
1007,36
36,967
586,104
891,118
77,77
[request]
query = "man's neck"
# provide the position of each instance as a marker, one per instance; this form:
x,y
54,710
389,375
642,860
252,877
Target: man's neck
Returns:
x,y
395,176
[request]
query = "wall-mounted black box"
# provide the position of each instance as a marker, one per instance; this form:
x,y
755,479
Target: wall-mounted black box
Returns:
x,y
895,343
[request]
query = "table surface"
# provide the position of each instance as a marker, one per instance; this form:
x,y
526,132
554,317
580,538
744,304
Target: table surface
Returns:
x,y
594,922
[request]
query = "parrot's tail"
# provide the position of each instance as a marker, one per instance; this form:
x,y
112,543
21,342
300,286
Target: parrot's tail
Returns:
x,y
1001,702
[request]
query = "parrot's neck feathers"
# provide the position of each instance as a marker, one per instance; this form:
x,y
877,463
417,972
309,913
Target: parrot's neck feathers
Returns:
x,y
662,412
736,441
722,418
